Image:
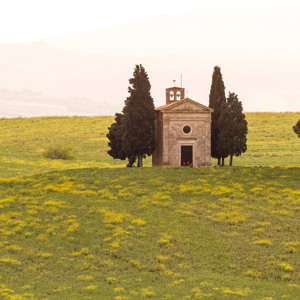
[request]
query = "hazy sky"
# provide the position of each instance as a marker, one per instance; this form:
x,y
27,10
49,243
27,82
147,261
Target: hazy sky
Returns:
x,y
255,42
25,20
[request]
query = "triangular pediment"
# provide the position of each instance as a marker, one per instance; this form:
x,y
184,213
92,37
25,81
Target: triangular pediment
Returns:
x,y
186,105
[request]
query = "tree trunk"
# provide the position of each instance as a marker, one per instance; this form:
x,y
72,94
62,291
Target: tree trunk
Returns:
x,y
231,158
219,161
223,161
131,161
140,160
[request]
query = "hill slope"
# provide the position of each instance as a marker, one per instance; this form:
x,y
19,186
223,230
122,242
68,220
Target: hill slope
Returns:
x,y
29,104
271,142
175,233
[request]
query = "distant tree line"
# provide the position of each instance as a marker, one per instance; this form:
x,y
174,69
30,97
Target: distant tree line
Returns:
x,y
229,126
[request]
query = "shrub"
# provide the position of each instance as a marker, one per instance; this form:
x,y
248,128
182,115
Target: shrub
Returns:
x,y
59,152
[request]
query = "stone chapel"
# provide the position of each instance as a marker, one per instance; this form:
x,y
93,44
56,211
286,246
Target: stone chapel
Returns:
x,y
183,131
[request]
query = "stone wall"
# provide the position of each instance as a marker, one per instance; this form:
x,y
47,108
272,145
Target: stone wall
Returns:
x,y
172,137
199,138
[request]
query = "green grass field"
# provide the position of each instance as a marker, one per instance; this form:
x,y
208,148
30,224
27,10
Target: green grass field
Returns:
x,y
166,233
271,142
90,228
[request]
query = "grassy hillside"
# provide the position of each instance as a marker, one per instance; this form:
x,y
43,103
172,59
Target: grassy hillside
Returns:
x,y
166,233
93,229
23,141
271,142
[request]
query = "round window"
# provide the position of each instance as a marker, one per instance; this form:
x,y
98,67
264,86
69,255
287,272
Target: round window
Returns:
x,y
186,129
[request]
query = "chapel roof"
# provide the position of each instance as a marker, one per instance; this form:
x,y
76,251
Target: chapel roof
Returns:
x,y
166,105
176,103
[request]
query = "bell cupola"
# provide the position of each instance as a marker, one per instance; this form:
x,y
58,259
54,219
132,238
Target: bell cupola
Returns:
x,y
174,94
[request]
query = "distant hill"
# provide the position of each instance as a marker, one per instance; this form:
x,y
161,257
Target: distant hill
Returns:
x,y
62,74
33,104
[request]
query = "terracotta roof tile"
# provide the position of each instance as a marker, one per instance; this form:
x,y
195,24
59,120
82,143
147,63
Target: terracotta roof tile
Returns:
x,y
166,105
184,100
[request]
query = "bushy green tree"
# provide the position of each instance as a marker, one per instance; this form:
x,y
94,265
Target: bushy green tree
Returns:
x,y
229,126
232,138
237,127
217,99
133,133
139,117
115,138
296,128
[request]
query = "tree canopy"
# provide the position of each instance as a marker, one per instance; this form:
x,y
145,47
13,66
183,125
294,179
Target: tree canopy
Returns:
x,y
237,127
229,126
115,138
133,134
217,99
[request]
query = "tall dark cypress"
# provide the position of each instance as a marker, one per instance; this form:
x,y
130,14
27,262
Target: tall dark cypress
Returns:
x,y
138,129
237,127
217,99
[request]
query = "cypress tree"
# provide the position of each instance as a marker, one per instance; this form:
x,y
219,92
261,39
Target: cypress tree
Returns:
x,y
115,137
217,99
138,129
296,128
224,123
237,127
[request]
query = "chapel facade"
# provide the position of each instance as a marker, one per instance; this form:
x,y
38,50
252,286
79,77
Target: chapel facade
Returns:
x,y
183,131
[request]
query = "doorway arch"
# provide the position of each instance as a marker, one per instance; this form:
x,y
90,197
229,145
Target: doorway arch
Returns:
x,y
186,155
